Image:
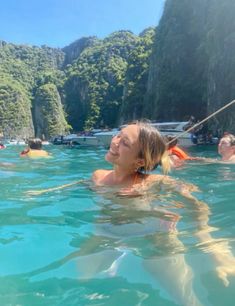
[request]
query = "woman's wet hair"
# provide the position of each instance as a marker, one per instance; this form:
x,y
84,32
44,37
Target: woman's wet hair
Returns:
x,y
35,144
153,148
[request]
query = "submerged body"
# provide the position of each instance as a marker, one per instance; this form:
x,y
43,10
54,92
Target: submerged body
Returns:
x,y
138,212
80,241
134,151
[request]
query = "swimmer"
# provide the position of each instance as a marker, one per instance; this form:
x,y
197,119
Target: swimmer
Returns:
x,y
136,150
2,146
226,148
34,149
176,154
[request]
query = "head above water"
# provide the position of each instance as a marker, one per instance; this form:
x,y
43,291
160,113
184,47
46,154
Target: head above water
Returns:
x,y
153,148
139,146
35,144
226,145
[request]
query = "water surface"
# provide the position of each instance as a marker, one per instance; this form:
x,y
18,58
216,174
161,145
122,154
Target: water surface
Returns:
x,y
87,246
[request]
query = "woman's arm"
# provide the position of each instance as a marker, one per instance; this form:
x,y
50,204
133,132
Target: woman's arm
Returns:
x,y
219,249
39,192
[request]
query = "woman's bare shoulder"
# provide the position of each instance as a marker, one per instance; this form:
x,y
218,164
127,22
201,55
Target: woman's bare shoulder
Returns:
x,y
99,174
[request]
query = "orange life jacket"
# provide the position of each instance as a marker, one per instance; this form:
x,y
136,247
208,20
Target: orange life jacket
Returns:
x,y
179,153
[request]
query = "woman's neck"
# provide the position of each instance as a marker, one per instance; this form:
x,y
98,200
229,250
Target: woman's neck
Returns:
x,y
121,176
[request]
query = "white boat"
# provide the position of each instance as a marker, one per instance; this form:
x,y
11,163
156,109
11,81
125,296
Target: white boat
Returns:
x,y
45,142
175,129
166,128
15,142
105,137
81,140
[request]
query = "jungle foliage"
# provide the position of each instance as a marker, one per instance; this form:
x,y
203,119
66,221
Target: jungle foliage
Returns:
x,y
184,67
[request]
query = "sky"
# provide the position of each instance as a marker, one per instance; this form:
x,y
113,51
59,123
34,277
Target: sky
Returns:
x,y
57,23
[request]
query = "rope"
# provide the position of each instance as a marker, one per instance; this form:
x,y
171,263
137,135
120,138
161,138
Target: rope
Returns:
x,y
202,121
39,192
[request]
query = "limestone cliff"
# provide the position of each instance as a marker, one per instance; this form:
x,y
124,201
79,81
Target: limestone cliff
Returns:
x,y
48,114
192,64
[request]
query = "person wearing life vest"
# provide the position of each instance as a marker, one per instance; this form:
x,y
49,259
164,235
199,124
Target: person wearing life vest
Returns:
x,y
34,149
179,153
176,154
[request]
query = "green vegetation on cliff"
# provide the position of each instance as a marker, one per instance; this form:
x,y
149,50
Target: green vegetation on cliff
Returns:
x,y
95,82
136,77
48,113
192,66
15,113
23,70
184,67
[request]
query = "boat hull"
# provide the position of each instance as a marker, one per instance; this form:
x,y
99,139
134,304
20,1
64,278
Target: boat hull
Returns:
x,y
184,140
106,137
86,141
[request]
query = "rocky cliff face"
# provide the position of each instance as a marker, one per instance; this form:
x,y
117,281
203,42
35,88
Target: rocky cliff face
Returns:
x,y
175,84
136,77
73,51
15,110
221,62
192,64
94,82
48,114
184,68
23,70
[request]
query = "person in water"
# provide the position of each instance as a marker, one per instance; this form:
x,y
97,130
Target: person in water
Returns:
x,y
135,151
226,148
2,146
176,154
34,149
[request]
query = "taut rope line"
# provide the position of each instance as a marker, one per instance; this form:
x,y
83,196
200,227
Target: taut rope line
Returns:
x,y
39,192
202,121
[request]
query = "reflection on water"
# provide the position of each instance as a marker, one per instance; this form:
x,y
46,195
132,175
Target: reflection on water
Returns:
x,y
89,246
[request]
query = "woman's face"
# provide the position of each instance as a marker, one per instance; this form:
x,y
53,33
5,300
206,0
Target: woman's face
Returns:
x,y
124,148
225,146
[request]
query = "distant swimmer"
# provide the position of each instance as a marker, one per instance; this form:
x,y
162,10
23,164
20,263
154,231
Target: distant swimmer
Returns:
x,y
34,149
2,146
176,154
226,148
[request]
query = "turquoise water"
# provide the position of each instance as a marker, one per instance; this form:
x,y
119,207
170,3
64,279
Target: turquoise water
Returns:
x,y
86,246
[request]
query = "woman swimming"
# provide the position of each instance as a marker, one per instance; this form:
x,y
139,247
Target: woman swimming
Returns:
x,y
139,148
